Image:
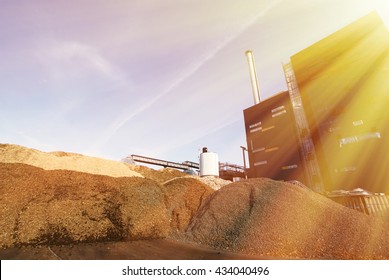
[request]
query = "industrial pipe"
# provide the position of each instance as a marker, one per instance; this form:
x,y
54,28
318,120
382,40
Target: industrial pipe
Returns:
x,y
253,76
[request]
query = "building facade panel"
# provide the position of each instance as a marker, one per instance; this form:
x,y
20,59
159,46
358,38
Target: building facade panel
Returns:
x,y
272,140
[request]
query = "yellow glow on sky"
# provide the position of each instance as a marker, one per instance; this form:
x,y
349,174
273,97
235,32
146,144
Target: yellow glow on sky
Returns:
x,y
382,7
344,79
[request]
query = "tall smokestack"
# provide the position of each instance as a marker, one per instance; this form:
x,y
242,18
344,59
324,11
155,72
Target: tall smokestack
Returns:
x,y
253,76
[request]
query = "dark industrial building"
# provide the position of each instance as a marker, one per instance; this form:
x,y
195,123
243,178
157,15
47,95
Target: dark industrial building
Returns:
x,y
344,85
330,130
272,142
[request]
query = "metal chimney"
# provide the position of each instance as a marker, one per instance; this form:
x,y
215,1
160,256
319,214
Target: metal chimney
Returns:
x,y
253,76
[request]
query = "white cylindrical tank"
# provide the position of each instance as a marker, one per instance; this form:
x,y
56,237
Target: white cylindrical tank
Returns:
x,y
209,163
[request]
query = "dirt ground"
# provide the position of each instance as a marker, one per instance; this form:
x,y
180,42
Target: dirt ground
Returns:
x,y
158,249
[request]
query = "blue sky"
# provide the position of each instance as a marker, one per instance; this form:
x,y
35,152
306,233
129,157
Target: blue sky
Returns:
x,y
155,78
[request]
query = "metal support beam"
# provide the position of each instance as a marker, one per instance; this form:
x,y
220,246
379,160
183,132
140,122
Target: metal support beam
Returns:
x,y
184,166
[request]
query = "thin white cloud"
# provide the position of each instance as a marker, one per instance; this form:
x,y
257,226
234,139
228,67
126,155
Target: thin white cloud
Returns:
x,y
68,59
120,122
67,62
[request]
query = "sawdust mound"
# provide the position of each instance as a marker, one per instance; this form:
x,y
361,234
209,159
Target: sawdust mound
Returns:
x,y
61,160
212,182
160,176
61,207
183,197
271,218
166,174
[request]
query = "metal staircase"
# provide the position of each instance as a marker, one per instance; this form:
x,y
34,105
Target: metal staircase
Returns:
x,y
307,149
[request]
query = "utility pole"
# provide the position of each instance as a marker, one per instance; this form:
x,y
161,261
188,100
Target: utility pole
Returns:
x,y
244,160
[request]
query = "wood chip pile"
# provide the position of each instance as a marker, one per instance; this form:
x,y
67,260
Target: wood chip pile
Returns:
x,y
61,206
160,176
183,197
46,200
272,218
39,206
68,161
213,182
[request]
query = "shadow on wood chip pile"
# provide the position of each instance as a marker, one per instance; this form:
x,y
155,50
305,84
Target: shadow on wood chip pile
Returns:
x,y
273,218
